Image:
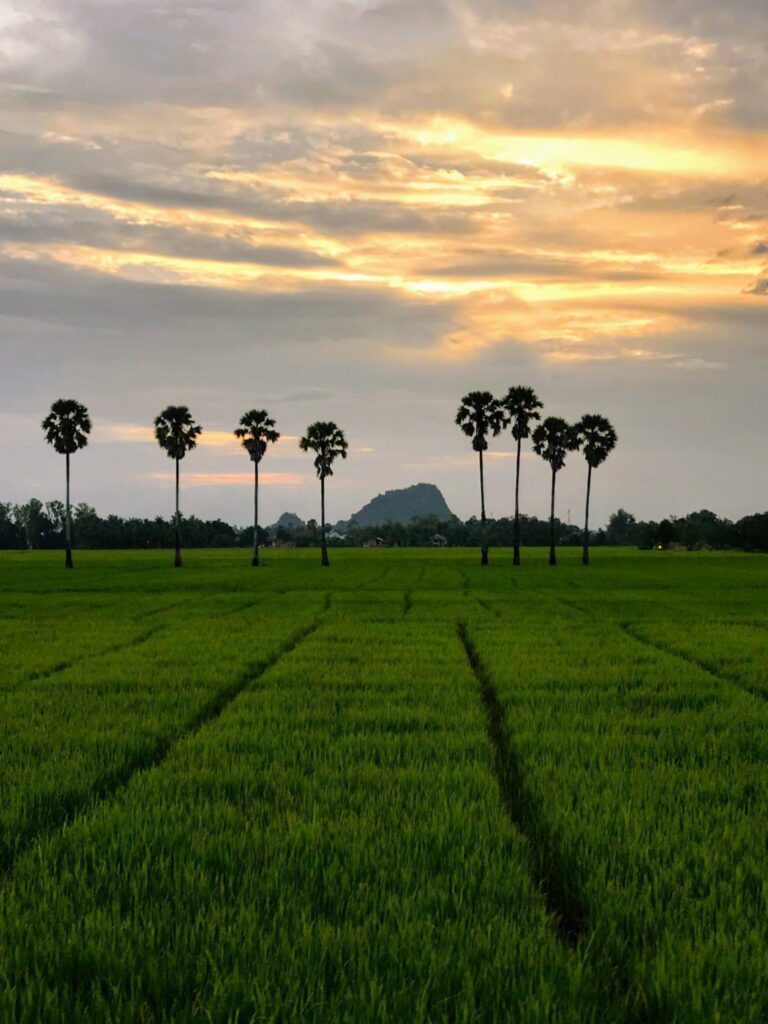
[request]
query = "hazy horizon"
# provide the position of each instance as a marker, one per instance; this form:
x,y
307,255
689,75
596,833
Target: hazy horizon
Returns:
x,y
362,210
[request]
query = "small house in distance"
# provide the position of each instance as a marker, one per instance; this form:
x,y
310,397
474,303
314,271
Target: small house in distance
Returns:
x,y
374,542
439,541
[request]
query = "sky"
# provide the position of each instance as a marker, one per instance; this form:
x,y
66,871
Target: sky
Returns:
x,y
359,210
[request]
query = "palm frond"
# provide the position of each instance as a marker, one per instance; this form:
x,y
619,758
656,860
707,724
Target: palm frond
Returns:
x,y
256,432
553,439
597,438
328,442
176,432
67,426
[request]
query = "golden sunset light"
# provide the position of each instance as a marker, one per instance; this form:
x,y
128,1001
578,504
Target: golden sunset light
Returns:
x,y
590,198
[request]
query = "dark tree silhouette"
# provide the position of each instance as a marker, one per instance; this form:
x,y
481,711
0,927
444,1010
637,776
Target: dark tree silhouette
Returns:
x,y
67,427
177,433
521,405
327,441
597,439
256,431
552,440
480,414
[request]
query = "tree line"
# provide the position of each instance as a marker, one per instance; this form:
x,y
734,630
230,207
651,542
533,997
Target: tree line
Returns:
x,y
68,425
480,415
40,525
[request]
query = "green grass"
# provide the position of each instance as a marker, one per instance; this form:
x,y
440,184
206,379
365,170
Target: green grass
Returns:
x,y
405,788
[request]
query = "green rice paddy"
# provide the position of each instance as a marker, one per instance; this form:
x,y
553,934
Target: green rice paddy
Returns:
x,y
403,789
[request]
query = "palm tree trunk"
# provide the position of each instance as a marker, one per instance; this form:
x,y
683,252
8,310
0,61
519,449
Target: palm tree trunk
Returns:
x,y
177,558
516,530
552,553
585,552
483,541
68,524
255,559
324,555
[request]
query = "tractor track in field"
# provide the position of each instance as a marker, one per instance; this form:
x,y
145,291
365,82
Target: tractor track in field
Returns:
x,y
408,595
554,876
62,666
374,579
124,645
702,666
163,608
54,817
487,607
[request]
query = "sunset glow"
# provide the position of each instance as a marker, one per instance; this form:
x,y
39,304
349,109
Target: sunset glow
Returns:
x,y
377,193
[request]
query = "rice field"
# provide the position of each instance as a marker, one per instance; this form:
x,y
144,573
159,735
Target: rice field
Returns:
x,y
405,788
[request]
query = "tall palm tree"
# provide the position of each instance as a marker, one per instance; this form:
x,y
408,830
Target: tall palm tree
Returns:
x,y
521,405
327,441
552,440
67,427
480,414
598,439
177,434
256,431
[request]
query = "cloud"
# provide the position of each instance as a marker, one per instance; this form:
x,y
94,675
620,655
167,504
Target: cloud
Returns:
x,y
356,210
266,477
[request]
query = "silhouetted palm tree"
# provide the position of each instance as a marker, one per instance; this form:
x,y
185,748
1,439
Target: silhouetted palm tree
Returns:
x,y
597,438
67,427
552,440
256,431
177,433
327,441
480,414
521,405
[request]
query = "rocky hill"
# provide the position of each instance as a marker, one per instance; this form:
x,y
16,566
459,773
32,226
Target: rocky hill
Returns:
x,y
288,521
403,505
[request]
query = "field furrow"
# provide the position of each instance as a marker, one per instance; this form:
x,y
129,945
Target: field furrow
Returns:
x,y
403,788
72,740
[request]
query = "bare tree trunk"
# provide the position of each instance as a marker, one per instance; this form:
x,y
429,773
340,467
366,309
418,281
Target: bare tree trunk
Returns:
x,y
585,552
516,531
68,524
177,558
255,559
552,553
324,555
483,540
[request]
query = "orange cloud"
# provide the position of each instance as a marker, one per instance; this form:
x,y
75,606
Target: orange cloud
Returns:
x,y
234,479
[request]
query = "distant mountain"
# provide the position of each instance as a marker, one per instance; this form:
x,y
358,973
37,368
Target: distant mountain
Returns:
x,y
288,521
403,505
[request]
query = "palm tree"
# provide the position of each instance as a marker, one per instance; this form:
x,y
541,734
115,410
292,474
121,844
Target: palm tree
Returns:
x,y
552,440
478,414
256,431
598,439
327,441
521,405
177,433
67,427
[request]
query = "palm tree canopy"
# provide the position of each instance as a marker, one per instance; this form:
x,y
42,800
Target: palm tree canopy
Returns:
x,y
553,439
521,405
327,441
67,426
598,438
176,431
256,431
479,414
